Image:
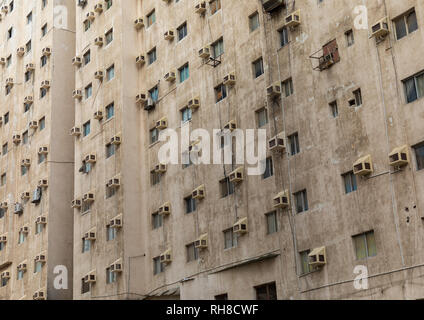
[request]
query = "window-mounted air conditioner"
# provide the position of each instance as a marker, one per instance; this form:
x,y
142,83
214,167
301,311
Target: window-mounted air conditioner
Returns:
x,y
237,175
39,295
30,67
26,162
200,7
4,205
160,168
20,51
16,138
43,150
240,227
399,157
205,52
90,277
88,197
75,131
33,124
98,7
2,61
116,222
116,266
98,41
162,123
139,23
363,166
76,203
169,35
22,266
282,200
199,192
90,235
165,209
277,143
274,90
90,158
230,79
25,195
3,238
77,94
29,100
98,115
76,61
114,183
194,103
380,28
166,257
201,242
9,82
90,15
231,125
116,140
47,51
141,98
40,258
5,9
5,275
140,60
293,19
170,76
98,75
317,257
41,220
45,84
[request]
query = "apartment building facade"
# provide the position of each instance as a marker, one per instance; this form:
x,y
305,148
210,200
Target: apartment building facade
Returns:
x,y
36,222
337,89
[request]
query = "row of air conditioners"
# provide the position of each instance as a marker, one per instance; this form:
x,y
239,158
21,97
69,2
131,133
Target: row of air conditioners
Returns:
x,y
47,51
399,157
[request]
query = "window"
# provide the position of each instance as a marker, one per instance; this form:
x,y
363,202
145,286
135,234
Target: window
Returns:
x,y
258,68
42,124
110,150
87,25
192,252
110,73
88,91
27,77
86,128
24,170
365,246
110,233
358,97
44,30
271,222
41,158
110,192
284,36
6,118
43,4
87,57
186,114
4,149
182,31
226,187
254,22
39,227
43,92
151,56
269,168
2,212
157,220
184,72
154,177
85,286
108,4
262,117
29,18
20,274
151,18
110,276
294,144
86,245
350,40
304,262
230,239
190,204
10,33
223,296
154,135
334,109
110,111
215,6
38,266
109,36
287,87
2,246
301,201
154,94
405,24
218,48
414,87
9,61
349,182
25,137
43,61
266,292
419,155
3,179
220,92
28,47
158,267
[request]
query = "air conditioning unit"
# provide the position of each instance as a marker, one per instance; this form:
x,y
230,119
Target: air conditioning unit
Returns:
x,y
170,76
150,104
199,192
16,138
90,15
75,131
3,238
22,266
380,29
230,79
98,75
326,61
194,103
116,266
90,158
116,140
89,197
141,98
274,90
363,166
114,183
282,200
76,61
237,175
40,258
5,9
160,168
43,150
30,67
39,295
169,35
19,209
165,209
47,51
33,124
45,84
29,100
82,3
140,60
76,204
205,52
240,227
139,23
90,235
43,183
20,51
25,195
162,124
9,82
98,7
98,41
201,242
77,94
200,8
277,143
232,125
98,115
2,61
4,205
91,277
317,257
166,257
293,19
399,157
116,222
5,275
26,163
270,5
41,220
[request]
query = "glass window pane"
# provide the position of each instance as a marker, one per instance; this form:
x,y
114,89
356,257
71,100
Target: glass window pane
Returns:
x,y
411,92
419,154
400,28
411,20
372,249
361,252
420,85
